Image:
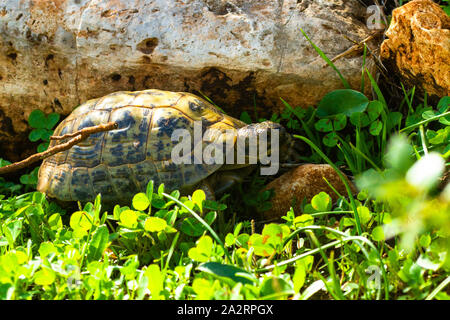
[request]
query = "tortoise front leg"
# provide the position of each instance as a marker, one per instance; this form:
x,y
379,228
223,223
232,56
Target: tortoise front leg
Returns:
x,y
223,180
226,181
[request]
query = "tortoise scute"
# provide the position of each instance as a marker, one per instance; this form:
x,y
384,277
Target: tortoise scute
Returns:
x,y
81,185
101,180
111,101
87,153
127,143
55,180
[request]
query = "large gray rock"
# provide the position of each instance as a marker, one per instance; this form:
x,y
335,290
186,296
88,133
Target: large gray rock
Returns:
x,y
56,54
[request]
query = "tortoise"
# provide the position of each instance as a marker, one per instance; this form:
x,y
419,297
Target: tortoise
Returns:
x,y
120,163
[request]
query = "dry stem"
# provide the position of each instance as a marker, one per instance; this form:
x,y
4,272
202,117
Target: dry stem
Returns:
x,y
78,137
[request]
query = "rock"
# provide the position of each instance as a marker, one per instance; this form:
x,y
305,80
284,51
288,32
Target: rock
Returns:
x,y
57,54
302,182
418,47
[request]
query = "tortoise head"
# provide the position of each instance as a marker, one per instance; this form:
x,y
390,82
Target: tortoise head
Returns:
x,y
266,143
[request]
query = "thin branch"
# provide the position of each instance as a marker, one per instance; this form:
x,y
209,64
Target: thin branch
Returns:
x,y
87,131
78,137
356,48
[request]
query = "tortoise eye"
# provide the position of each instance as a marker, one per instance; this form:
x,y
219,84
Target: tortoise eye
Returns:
x,y
195,107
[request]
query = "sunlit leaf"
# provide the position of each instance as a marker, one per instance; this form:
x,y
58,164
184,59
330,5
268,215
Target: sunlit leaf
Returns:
x,y
227,271
154,224
98,243
321,202
140,201
44,277
344,101
129,218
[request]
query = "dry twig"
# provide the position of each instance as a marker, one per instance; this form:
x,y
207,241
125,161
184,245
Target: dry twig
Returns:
x,y
356,48
78,137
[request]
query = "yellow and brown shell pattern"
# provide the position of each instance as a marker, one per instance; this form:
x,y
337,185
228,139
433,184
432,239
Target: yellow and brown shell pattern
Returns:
x,y
120,162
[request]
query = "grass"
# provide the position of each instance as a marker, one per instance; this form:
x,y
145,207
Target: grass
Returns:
x,y
161,246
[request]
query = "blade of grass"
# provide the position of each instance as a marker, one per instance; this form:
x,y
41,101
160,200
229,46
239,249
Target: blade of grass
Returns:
x,y
438,289
327,60
212,102
348,160
426,121
337,292
363,67
377,89
356,239
305,127
329,212
348,155
423,140
345,238
365,157
407,97
335,191
344,181
172,248
384,113
203,222
359,162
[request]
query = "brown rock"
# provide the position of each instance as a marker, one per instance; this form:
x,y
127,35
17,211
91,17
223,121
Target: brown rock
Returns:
x,y
302,182
418,48
56,54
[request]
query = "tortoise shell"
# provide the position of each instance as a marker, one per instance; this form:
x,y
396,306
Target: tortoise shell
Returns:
x,y
120,162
